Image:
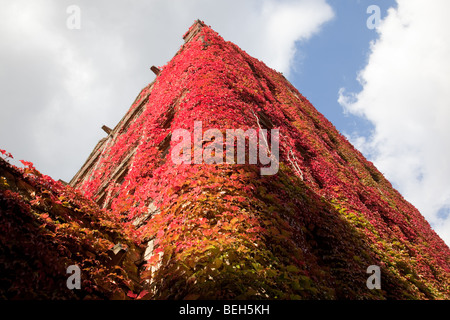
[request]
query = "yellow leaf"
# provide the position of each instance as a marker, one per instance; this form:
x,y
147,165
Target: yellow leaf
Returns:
x,y
218,263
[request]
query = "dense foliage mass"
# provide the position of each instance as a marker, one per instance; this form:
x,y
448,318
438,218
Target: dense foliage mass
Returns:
x,y
223,231
47,227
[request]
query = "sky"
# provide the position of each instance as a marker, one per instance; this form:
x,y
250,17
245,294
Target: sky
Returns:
x,y
69,67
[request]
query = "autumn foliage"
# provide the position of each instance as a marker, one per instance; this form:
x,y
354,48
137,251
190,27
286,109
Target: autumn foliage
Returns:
x,y
46,227
223,231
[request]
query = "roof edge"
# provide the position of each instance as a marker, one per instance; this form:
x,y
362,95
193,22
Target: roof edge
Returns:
x,y
193,30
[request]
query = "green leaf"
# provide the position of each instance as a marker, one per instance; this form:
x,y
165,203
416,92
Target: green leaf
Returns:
x,y
292,268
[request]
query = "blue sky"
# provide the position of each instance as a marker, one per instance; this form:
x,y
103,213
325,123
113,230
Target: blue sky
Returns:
x,y
386,89
332,59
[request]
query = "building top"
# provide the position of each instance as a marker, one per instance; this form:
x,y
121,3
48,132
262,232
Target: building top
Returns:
x,y
193,30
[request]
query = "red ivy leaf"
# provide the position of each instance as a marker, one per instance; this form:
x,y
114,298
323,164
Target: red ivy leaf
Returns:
x,y
142,294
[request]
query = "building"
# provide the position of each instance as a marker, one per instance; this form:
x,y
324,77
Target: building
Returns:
x,y
320,227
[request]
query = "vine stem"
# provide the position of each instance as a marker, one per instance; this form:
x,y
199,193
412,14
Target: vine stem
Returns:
x,y
294,164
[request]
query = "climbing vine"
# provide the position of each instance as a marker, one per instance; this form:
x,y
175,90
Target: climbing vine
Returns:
x,y
224,231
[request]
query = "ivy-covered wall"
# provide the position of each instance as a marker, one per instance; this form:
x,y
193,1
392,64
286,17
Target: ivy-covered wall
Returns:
x,y
47,227
224,231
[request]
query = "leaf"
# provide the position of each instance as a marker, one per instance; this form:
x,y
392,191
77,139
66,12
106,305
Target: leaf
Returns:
x,y
192,296
292,268
142,294
217,263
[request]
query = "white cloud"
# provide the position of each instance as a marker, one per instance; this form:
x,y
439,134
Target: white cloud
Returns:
x,y
406,95
59,86
283,24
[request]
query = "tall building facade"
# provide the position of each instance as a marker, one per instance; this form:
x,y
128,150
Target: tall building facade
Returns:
x,y
215,227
